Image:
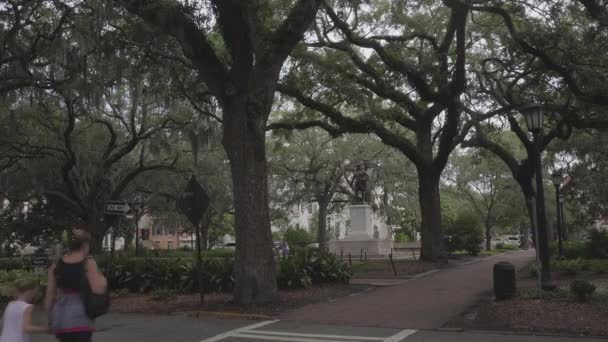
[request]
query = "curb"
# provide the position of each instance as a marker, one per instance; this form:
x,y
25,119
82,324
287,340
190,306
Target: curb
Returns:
x,y
382,277
425,274
526,333
227,315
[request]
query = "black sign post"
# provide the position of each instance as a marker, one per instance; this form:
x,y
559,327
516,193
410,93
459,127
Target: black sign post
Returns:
x,y
40,261
193,203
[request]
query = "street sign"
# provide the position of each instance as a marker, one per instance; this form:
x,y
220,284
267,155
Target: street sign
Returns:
x,y
117,208
40,262
193,202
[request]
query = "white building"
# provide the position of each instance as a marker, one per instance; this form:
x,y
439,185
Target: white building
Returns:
x,y
302,215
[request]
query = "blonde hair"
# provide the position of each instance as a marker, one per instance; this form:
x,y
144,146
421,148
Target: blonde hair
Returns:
x,y
24,285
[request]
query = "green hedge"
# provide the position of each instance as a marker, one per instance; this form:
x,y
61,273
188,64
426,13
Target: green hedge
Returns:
x,y
11,264
306,268
572,249
7,278
575,266
155,275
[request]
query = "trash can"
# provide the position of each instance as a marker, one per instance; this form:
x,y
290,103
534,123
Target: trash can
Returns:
x,y
504,280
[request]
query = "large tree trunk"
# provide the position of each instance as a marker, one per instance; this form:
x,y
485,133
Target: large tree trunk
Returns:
x,y
322,233
244,142
430,210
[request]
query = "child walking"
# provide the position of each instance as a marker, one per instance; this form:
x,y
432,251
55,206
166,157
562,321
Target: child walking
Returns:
x,y
17,320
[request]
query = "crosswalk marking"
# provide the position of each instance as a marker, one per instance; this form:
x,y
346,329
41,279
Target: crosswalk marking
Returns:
x,y
237,331
343,337
400,335
283,338
252,332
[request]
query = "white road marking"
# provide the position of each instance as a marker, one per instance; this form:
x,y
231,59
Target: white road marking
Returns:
x,y
400,336
342,337
231,333
283,338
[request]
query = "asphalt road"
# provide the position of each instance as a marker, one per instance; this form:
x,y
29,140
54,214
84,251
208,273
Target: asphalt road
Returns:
x,y
118,328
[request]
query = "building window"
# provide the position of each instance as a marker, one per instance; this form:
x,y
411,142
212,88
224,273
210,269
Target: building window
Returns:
x,y
170,231
170,244
158,229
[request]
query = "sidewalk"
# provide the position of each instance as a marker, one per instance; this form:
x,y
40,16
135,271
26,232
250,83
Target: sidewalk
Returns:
x,y
425,303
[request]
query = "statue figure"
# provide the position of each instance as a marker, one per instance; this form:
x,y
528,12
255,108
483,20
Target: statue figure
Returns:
x,y
361,188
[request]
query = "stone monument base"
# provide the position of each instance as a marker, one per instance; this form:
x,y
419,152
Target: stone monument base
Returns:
x,y
373,248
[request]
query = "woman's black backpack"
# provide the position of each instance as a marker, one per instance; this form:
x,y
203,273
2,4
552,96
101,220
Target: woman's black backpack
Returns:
x,y
95,305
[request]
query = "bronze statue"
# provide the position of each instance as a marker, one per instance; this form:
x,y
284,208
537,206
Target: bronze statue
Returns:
x,y
361,187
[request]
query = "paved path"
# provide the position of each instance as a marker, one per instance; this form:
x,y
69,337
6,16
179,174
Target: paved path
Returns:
x,y
425,303
135,328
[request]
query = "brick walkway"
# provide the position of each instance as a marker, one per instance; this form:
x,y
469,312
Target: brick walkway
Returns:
x,y
426,303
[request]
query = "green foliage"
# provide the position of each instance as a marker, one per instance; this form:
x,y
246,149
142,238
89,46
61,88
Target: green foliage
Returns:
x,y
570,267
597,244
402,237
464,233
533,271
298,237
582,290
9,264
293,272
146,275
572,249
305,269
576,266
180,253
8,278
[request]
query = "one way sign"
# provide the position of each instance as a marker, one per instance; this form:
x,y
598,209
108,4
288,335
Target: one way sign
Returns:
x,y
117,208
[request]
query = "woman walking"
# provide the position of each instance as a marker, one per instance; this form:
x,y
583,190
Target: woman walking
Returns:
x,y
67,280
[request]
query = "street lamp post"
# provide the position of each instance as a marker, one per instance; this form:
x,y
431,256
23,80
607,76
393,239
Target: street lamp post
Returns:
x,y
535,121
562,199
557,182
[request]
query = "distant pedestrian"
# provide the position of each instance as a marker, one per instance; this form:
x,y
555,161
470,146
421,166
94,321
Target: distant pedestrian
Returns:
x,y
285,250
17,320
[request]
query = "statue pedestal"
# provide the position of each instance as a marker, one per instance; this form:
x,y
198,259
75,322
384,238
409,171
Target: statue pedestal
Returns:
x,y
360,236
360,223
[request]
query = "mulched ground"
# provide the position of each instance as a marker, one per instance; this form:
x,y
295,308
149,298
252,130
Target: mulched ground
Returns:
x,y
220,302
540,316
560,315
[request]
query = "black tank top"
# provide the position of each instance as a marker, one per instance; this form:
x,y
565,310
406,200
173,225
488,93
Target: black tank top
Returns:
x,y
69,276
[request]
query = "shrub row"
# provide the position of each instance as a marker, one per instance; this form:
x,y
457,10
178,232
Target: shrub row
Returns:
x,y
572,267
7,278
305,269
594,247
13,264
179,275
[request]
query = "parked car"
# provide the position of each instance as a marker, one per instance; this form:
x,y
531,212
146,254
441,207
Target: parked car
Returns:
x,y
511,240
230,245
312,246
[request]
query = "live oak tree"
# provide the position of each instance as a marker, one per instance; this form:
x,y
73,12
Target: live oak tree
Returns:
x,y
28,36
238,49
569,39
92,129
402,80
